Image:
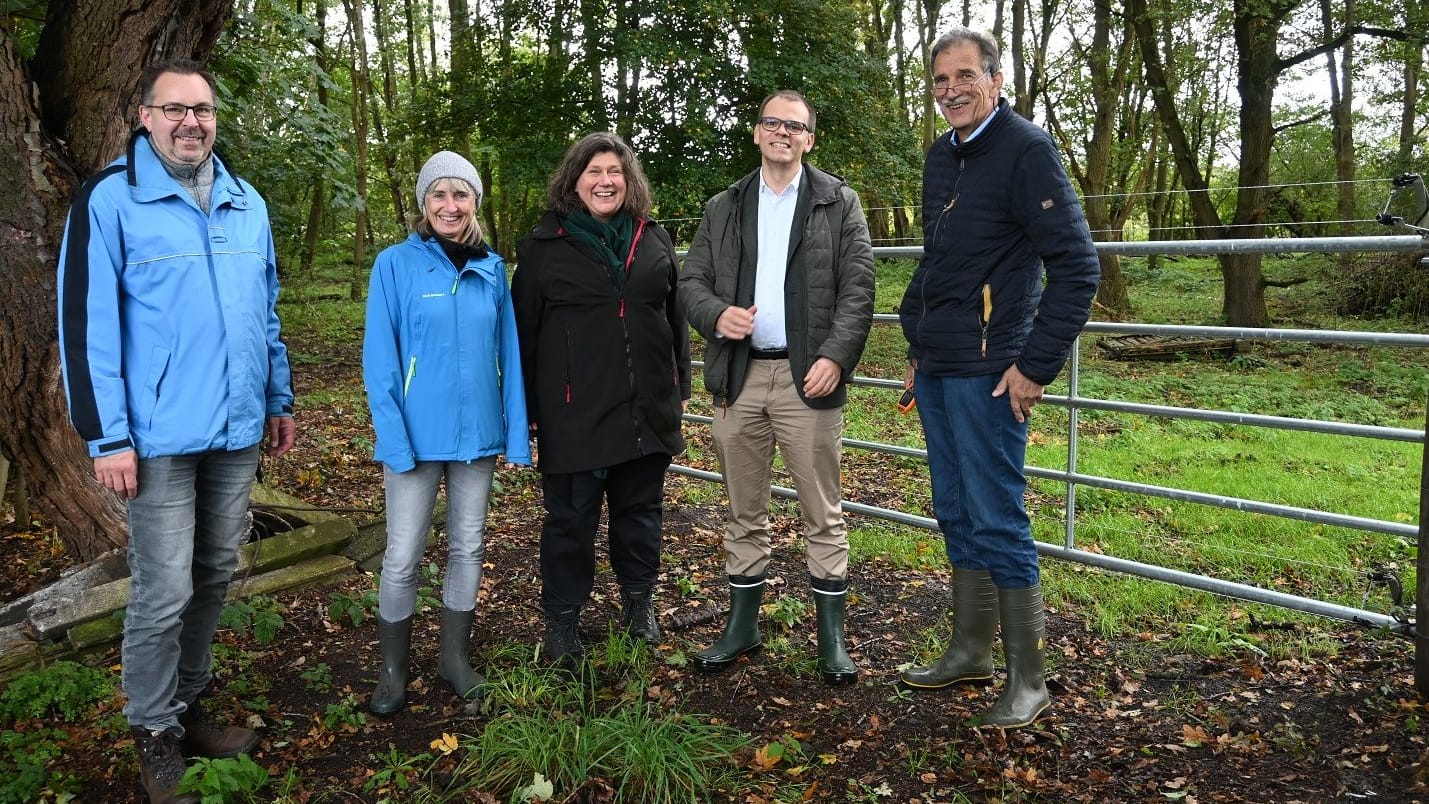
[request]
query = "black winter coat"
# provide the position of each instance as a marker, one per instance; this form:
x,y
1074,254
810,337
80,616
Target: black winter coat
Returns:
x,y
606,368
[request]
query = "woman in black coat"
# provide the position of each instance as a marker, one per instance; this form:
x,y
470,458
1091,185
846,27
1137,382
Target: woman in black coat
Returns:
x,y
606,357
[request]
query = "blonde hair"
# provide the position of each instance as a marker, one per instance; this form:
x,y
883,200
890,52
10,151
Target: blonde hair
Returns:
x,y
470,233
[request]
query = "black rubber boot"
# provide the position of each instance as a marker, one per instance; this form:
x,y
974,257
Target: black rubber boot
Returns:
x,y
1024,697
562,645
637,615
968,656
161,765
835,666
454,664
741,631
395,640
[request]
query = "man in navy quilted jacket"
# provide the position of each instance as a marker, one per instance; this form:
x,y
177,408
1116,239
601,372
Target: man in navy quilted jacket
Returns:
x,y
986,332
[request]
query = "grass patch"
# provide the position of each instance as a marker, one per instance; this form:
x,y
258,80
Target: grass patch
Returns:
x,y
548,728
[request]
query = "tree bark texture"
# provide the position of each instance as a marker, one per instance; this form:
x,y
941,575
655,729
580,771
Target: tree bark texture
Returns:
x,y
62,117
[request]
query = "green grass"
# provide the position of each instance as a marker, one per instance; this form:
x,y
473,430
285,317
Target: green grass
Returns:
x,y
544,725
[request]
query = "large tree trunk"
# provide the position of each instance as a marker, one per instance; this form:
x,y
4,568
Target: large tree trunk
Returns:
x,y
79,91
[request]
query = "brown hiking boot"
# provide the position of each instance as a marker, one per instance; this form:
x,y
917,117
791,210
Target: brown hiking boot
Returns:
x,y
161,766
206,736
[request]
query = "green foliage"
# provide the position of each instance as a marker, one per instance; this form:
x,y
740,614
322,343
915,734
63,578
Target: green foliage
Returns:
x,y
786,611
395,771
260,614
344,715
64,690
29,767
318,678
224,780
343,606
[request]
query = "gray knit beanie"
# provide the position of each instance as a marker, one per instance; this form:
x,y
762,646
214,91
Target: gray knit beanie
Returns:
x,y
447,165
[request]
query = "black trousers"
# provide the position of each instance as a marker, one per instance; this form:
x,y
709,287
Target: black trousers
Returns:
x,y
633,492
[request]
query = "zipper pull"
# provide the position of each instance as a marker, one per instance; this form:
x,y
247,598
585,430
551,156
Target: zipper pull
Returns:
x,y
986,315
568,393
622,306
456,282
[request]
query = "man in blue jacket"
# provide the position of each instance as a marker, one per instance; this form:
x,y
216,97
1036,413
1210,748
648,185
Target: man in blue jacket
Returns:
x,y
985,335
174,373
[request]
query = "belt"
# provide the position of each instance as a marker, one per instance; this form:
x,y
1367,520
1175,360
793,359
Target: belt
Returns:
x,y
769,354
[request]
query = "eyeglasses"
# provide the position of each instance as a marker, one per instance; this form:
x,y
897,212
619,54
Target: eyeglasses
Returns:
x,y
791,126
176,112
963,83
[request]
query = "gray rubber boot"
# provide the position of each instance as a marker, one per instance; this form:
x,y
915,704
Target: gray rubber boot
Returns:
x,y
741,631
454,663
1023,641
968,656
835,666
395,640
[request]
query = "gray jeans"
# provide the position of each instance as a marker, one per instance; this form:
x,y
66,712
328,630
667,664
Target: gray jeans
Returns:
x,y
185,527
410,497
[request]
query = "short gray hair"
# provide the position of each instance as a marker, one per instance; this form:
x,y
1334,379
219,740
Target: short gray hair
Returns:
x,y
991,53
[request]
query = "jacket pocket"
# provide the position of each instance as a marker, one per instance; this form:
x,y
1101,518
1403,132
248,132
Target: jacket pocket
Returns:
x,y
153,383
566,371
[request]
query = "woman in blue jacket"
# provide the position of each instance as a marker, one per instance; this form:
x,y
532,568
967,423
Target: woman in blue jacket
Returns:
x,y
443,375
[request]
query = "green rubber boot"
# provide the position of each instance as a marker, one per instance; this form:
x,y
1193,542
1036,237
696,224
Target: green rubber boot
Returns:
x,y
454,664
395,640
741,631
835,666
1024,697
968,656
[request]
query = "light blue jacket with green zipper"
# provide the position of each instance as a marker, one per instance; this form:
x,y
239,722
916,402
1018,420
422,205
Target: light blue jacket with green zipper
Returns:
x,y
440,359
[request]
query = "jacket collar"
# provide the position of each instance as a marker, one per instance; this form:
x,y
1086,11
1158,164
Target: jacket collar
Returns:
x,y
488,265
984,140
149,181
820,186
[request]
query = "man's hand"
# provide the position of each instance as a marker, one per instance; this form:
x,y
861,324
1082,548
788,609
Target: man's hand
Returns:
x,y
282,433
119,472
1022,393
822,379
735,323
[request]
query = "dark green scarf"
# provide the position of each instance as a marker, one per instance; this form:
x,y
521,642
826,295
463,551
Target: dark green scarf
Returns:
x,y
610,240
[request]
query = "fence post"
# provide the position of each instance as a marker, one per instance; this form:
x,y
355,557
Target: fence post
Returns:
x,y
1421,576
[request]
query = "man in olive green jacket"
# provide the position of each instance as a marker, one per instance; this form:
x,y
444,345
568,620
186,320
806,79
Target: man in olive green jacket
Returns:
x,y
779,281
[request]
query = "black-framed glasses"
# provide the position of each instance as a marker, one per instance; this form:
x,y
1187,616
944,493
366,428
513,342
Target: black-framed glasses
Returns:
x,y
176,112
960,83
791,126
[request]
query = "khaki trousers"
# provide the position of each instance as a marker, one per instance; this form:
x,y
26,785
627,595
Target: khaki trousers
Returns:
x,y
769,412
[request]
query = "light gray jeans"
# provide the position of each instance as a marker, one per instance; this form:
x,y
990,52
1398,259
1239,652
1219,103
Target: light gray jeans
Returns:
x,y
410,497
185,527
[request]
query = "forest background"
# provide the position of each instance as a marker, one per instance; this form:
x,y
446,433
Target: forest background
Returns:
x,y
1178,119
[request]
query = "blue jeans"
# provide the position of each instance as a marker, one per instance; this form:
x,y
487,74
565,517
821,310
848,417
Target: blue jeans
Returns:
x,y
185,527
410,497
976,453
